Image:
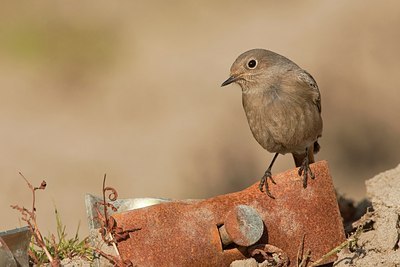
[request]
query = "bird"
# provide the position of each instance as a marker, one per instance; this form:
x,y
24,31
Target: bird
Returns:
x,y
282,103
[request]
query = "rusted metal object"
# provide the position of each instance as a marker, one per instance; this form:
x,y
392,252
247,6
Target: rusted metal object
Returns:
x,y
121,205
183,233
96,220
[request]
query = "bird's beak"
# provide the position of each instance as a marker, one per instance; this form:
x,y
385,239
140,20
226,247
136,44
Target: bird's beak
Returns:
x,y
230,80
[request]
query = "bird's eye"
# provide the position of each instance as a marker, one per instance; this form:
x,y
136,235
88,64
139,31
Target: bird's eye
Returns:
x,y
252,63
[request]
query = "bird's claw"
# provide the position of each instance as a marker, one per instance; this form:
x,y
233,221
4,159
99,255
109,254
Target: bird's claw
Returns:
x,y
304,171
264,183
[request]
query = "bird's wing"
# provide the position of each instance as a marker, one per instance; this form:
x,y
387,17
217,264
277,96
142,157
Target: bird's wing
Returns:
x,y
306,79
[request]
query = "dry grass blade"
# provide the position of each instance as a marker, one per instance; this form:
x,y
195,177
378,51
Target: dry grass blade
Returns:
x,y
109,230
303,260
348,243
30,218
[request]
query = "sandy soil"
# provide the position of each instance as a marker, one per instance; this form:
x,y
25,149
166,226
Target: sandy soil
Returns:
x,y
379,244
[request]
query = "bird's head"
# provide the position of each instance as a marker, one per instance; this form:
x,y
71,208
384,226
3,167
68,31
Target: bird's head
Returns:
x,y
256,68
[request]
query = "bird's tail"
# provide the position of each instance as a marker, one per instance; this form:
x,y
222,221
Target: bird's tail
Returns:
x,y
316,147
299,158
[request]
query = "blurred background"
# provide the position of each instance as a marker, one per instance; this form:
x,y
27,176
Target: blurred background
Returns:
x,y
132,89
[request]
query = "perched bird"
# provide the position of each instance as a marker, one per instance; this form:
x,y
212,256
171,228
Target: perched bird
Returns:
x,y
282,103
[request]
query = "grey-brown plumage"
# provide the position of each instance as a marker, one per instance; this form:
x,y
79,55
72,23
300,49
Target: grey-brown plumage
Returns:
x,y
282,103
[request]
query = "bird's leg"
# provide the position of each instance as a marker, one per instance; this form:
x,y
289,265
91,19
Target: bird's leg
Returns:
x,y
264,179
304,170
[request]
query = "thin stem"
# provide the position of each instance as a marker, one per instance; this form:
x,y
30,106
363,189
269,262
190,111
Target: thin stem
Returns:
x,y
104,199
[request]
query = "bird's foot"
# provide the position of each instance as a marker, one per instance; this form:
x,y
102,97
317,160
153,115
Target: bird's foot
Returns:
x,y
305,171
264,183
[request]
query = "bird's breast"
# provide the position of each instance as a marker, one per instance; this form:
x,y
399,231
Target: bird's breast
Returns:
x,y
282,124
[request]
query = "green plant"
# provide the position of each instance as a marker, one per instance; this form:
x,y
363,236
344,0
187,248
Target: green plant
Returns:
x,y
62,247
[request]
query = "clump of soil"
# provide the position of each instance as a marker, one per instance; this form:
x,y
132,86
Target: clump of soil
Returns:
x,y
379,244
